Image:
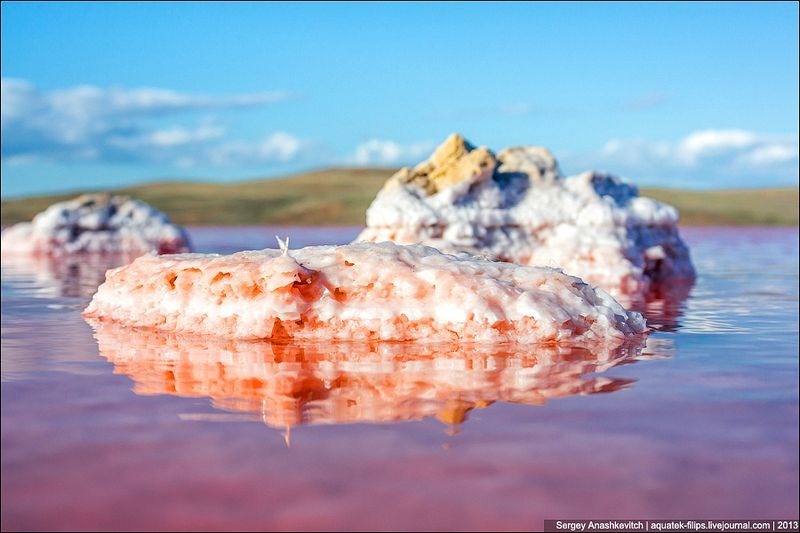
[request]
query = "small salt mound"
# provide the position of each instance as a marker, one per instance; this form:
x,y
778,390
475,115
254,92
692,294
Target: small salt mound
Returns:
x,y
328,382
517,207
360,291
96,223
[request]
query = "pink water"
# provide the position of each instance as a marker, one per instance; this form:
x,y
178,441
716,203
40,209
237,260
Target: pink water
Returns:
x,y
128,431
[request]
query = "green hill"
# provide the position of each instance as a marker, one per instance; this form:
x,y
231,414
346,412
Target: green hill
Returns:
x,y
341,196
732,207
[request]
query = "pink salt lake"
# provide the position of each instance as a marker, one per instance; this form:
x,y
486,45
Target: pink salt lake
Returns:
x,y
121,430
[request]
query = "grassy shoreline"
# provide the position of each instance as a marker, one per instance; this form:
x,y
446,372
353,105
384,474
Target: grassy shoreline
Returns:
x,y
341,196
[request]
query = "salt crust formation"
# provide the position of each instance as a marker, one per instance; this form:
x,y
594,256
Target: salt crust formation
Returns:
x,y
286,384
96,223
361,291
515,206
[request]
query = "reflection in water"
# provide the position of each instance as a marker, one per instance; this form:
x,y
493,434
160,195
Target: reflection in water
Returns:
x,y
664,305
74,276
290,384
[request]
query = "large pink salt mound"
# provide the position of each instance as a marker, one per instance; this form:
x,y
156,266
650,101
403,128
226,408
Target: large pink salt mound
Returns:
x,y
96,224
516,206
361,291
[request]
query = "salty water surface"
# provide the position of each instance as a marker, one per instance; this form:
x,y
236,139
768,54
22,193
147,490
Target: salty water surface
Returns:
x,y
118,429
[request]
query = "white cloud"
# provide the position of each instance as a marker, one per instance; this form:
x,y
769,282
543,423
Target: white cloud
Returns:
x,y
90,123
709,143
279,146
167,138
645,101
633,152
714,156
516,109
771,154
384,152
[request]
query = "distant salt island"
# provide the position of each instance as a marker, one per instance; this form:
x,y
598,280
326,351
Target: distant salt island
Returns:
x,y
98,224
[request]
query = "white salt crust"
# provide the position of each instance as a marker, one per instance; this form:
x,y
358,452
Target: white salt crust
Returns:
x,y
326,383
96,224
361,291
517,207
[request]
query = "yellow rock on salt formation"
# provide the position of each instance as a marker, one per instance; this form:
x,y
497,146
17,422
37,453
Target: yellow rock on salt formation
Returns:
x,y
455,161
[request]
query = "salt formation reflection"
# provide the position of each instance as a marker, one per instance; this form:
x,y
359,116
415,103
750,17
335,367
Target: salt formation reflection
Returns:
x,y
662,307
71,275
336,383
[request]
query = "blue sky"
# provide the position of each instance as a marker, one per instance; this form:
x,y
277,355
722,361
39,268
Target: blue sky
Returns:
x,y
685,95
